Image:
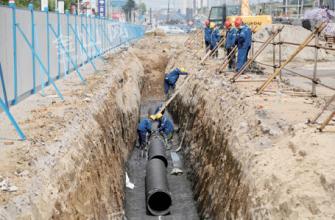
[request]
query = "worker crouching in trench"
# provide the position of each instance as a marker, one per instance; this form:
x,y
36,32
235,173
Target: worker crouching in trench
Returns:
x,y
145,130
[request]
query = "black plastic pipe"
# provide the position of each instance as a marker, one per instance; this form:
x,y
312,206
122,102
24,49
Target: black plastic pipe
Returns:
x,y
158,197
157,150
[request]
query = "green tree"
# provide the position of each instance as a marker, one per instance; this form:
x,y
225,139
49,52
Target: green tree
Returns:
x,y
128,8
37,4
142,8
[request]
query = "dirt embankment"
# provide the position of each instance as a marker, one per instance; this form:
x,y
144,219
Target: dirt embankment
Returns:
x,y
252,156
72,165
77,170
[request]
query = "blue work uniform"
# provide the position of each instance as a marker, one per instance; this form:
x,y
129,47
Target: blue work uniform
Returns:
x,y
229,45
207,33
166,126
243,39
215,38
171,79
230,38
144,128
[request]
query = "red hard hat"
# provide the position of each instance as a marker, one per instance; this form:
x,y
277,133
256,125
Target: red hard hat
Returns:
x,y
207,22
238,22
227,24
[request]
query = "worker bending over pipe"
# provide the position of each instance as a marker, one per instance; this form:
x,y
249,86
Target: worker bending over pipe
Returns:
x,y
144,131
166,128
172,78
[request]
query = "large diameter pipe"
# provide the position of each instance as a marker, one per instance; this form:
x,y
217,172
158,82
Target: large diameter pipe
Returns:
x,y
157,150
158,197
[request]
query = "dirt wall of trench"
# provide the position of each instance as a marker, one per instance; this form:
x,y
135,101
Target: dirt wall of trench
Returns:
x,y
82,174
208,116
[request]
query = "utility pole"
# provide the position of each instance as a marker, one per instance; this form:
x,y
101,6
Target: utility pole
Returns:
x,y
168,11
150,14
195,7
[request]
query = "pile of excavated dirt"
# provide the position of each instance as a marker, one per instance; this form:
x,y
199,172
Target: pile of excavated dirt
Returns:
x,y
252,156
293,34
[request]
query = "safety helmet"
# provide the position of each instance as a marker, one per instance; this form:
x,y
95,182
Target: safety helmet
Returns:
x,y
212,25
158,116
182,70
227,24
238,22
206,22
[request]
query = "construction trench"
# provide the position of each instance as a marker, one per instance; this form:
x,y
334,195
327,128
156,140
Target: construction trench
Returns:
x,y
244,156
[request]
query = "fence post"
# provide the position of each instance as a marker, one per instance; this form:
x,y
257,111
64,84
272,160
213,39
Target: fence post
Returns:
x,y
76,42
68,38
58,45
274,52
12,5
87,48
4,91
81,36
315,64
48,46
279,56
95,31
31,8
92,56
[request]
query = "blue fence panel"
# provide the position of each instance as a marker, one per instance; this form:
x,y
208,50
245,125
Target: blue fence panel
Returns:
x,y
38,47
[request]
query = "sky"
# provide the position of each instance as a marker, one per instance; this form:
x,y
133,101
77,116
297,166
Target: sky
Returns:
x,y
157,4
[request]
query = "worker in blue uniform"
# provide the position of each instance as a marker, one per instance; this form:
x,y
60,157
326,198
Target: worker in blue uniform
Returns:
x,y
243,40
215,38
171,79
230,43
166,128
144,130
207,34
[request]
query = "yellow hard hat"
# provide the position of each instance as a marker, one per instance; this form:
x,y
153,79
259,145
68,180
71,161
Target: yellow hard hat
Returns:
x,y
153,117
182,70
158,115
212,25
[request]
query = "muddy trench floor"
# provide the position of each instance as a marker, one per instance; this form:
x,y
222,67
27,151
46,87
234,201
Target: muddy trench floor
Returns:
x,y
183,205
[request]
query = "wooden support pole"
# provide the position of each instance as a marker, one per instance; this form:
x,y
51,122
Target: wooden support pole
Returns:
x,y
295,53
279,54
332,99
165,105
212,51
326,122
315,65
258,52
227,59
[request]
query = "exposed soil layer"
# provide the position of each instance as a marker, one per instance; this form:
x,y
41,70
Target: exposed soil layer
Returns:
x,y
253,156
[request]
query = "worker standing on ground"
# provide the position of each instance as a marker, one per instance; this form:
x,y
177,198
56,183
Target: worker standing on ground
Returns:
x,y
207,34
230,43
243,40
166,128
171,79
215,38
144,131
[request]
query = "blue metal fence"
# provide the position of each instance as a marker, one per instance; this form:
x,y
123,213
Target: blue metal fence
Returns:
x,y
37,48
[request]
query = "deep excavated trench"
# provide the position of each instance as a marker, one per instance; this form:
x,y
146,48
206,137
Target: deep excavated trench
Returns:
x,y
87,178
